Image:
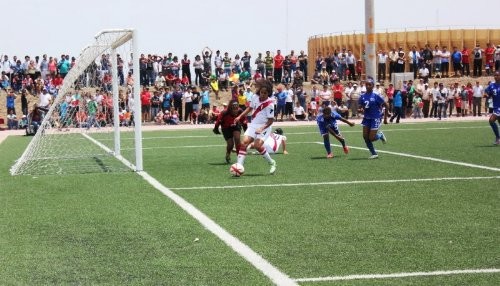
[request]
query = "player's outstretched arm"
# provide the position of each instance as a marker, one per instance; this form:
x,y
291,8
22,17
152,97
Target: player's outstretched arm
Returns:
x,y
283,143
347,121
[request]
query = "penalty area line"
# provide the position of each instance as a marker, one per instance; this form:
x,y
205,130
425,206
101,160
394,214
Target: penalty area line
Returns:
x,y
337,183
261,264
425,158
398,275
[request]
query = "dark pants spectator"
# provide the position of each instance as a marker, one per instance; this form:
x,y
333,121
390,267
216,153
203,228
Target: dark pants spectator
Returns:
x,y
381,71
425,109
466,69
476,106
278,74
478,67
434,109
398,111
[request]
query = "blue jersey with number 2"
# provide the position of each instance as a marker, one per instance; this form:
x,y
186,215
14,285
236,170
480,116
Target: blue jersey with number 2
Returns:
x,y
372,104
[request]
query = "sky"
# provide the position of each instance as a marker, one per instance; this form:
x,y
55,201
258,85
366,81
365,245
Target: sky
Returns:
x,y
55,27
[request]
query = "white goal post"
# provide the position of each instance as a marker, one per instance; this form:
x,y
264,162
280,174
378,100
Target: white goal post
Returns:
x,y
87,128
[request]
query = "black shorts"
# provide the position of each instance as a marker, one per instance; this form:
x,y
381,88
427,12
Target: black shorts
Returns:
x,y
146,108
228,132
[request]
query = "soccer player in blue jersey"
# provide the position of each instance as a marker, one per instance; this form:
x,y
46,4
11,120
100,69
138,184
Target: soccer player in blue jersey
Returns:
x,y
371,104
327,123
493,92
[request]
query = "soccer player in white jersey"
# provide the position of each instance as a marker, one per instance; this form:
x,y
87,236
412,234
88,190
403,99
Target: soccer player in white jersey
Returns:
x,y
260,127
274,142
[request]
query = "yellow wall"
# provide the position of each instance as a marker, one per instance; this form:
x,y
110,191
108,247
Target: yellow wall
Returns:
x,y
385,41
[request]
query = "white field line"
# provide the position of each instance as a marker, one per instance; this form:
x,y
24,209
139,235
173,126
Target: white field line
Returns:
x,y
201,146
303,133
425,158
338,183
273,273
398,275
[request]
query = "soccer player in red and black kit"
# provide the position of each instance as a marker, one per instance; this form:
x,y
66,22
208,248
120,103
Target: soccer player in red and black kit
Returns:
x,y
230,130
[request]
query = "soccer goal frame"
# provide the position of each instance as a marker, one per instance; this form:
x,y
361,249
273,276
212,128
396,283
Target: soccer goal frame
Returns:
x,y
106,41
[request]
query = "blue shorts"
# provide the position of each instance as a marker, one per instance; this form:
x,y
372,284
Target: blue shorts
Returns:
x,y
324,130
280,109
373,124
496,111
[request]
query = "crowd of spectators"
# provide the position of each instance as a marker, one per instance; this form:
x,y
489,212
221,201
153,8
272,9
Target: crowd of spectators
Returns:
x,y
172,95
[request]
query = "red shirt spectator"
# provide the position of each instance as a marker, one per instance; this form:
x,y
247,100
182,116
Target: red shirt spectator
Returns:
x,y
337,90
278,60
145,97
465,55
490,52
57,81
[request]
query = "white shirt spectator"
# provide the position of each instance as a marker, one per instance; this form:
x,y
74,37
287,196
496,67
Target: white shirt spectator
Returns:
x,y
45,98
436,57
477,91
382,58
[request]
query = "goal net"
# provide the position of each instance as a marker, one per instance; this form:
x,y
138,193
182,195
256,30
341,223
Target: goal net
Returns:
x,y
89,126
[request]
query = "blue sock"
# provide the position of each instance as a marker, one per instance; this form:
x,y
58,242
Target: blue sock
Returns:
x,y
326,142
369,144
494,126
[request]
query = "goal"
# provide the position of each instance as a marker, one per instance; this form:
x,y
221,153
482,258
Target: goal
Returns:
x,y
90,125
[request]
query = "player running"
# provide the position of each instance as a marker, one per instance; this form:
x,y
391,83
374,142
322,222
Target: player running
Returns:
x,y
493,92
231,129
327,123
372,103
260,127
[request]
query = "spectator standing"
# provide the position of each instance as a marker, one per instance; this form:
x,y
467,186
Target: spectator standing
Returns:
x,y
436,61
207,59
465,61
477,94
259,62
382,65
489,55
414,56
445,62
218,63
478,61
188,102
456,58
146,105
245,60
186,68
198,68
278,66
497,58
269,63
397,106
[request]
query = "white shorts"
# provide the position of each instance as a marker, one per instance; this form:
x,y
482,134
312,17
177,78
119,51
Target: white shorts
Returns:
x,y
262,136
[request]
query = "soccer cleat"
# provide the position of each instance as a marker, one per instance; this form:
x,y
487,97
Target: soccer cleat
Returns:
x,y
228,159
373,157
273,167
382,137
497,142
346,150
329,155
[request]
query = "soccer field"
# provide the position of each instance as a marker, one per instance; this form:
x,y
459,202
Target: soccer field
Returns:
x,y
425,213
